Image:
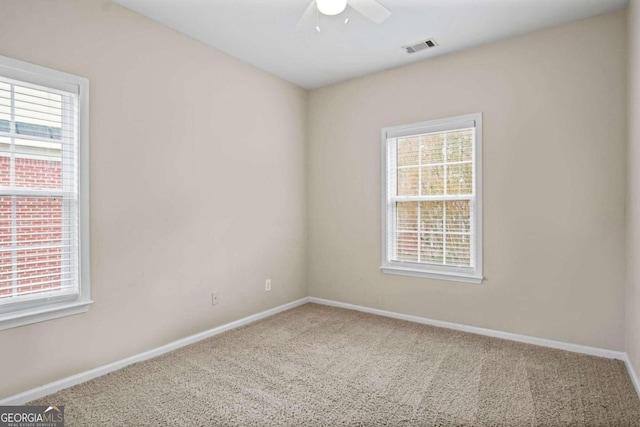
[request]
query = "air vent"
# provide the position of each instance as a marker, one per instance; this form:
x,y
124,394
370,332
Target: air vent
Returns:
x,y
417,47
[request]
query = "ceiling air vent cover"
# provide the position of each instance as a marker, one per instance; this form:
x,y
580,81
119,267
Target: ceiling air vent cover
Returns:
x,y
425,44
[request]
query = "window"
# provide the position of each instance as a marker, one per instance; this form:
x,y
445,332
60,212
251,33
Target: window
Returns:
x,y
44,252
432,223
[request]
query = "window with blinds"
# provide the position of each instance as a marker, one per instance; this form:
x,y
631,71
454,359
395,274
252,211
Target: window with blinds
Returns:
x,y
432,203
40,206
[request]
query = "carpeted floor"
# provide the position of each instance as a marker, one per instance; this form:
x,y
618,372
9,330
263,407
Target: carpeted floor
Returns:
x,y
323,366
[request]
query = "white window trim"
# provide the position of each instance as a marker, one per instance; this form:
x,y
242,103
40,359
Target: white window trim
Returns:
x,y
432,271
60,307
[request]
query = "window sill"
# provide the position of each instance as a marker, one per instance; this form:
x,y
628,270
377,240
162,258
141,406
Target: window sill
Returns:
x,y
455,277
40,314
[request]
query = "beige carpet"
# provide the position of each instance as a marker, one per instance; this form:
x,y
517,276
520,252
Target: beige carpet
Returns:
x,y
322,366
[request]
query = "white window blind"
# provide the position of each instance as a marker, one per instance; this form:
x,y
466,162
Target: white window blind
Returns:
x,y
431,209
40,255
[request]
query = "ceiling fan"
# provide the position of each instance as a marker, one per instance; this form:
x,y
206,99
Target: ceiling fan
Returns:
x,y
369,8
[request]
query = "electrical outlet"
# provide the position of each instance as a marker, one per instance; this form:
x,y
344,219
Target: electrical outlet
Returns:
x,y
215,298
267,285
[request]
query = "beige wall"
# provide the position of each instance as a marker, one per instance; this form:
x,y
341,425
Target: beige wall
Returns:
x,y
633,192
197,184
554,183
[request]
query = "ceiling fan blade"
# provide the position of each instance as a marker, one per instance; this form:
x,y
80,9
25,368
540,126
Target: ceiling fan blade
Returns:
x,y
308,19
371,9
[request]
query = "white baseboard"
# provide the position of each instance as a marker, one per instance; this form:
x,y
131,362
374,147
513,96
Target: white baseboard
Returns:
x,y
38,392
632,373
576,348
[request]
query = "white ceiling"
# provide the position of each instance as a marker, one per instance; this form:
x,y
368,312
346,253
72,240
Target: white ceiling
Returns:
x,y
262,32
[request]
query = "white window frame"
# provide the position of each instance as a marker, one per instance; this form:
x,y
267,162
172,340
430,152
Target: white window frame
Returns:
x,y
24,313
434,271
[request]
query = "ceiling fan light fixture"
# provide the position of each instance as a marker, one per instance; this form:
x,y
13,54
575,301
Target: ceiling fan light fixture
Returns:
x,y
331,7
